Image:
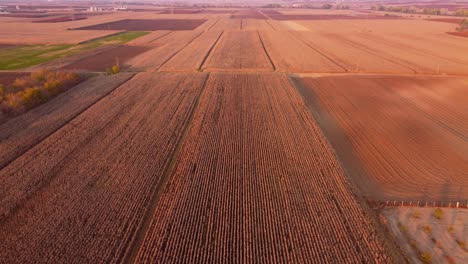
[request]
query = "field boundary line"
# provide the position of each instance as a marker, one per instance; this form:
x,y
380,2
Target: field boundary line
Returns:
x,y
177,52
158,38
380,233
213,24
200,68
388,57
266,52
320,52
134,246
67,122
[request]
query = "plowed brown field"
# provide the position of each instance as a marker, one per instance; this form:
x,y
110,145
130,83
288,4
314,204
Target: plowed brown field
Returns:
x,y
239,51
102,61
242,190
79,195
402,138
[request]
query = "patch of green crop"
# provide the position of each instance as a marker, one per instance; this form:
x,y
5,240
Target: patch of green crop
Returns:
x,y
20,57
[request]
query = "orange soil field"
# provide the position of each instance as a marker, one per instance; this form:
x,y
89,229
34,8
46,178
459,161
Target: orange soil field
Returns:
x,y
239,51
420,45
400,138
353,58
290,54
227,24
194,55
116,151
242,190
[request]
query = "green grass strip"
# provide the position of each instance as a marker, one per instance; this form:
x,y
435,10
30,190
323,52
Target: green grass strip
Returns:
x,y
20,57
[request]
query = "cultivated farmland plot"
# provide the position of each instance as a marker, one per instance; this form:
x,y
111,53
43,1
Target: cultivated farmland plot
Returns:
x,y
238,135
194,54
163,49
90,189
235,194
290,54
239,51
400,138
20,134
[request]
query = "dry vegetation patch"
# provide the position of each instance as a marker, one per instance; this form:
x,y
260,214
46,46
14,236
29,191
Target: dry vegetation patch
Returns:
x,y
428,238
29,91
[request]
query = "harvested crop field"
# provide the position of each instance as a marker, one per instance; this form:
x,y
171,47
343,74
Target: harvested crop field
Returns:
x,y
23,132
401,138
102,61
164,49
239,51
240,189
148,25
95,213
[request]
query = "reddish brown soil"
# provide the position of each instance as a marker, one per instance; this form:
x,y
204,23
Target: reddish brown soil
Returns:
x,y
25,15
400,138
460,33
254,164
180,11
106,59
447,20
148,25
271,12
60,19
248,14
329,17
86,187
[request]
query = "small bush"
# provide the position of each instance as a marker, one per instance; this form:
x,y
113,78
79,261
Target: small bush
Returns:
x,y
32,97
20,83
416,214
113,70
426,257
39,75
438,213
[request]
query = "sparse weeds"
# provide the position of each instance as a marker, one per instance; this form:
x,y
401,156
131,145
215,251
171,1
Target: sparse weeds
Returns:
x,y
438,213
427,229
416,214
426,257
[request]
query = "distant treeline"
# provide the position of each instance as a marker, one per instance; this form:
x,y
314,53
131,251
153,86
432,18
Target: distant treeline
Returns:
x,y
426,10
